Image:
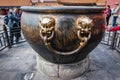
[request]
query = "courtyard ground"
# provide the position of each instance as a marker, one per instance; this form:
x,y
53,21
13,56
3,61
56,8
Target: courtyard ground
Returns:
x,y
19,63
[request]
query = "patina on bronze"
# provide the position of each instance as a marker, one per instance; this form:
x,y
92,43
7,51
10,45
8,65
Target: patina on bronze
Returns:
x,y
63,34
47,32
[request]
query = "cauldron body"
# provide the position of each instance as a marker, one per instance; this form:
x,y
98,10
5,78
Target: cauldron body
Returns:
x,y
65,45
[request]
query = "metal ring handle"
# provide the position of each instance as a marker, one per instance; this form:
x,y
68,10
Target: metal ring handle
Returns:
x,y
47,32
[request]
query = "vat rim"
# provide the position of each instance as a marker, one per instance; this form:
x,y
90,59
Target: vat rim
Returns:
x,y
72,9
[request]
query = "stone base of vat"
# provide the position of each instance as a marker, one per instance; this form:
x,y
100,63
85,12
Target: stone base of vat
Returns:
x,y
63,71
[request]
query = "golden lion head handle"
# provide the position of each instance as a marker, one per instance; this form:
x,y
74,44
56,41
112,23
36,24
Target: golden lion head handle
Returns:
x,y
47,27
84,25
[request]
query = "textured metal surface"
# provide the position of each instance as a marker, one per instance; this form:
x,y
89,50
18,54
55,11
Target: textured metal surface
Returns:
x,y
47,32
66,37
64,9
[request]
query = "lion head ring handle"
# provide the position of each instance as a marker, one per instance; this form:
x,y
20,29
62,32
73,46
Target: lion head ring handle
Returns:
x,y
47,32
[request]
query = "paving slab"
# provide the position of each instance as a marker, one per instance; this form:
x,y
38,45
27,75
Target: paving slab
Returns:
x,y
19,63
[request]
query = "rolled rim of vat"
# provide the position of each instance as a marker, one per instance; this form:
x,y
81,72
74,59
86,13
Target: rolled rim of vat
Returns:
x,y
65,9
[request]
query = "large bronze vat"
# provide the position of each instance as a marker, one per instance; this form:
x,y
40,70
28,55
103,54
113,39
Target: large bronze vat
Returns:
x,y
63,34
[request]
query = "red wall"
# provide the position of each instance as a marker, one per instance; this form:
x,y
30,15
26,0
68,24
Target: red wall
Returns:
x,y
111,2
2,12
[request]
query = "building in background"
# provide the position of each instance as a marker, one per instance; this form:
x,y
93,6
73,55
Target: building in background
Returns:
x,y
6,4
111,2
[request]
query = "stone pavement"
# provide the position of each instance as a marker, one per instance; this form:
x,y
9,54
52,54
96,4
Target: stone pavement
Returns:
x,y
19,63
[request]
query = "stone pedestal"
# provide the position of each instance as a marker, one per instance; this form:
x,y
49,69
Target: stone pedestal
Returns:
x,y
63,71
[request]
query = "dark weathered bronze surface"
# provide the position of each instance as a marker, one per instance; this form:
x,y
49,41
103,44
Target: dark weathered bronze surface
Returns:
x,y
63,34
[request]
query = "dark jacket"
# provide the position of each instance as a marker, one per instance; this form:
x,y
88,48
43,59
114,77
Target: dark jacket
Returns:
x,y
109,13
13,19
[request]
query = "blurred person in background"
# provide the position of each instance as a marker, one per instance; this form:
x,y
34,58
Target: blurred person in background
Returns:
x,y
115,13
108,14
13,24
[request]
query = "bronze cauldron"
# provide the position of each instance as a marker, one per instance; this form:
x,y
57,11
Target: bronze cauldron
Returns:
x,y
63,34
